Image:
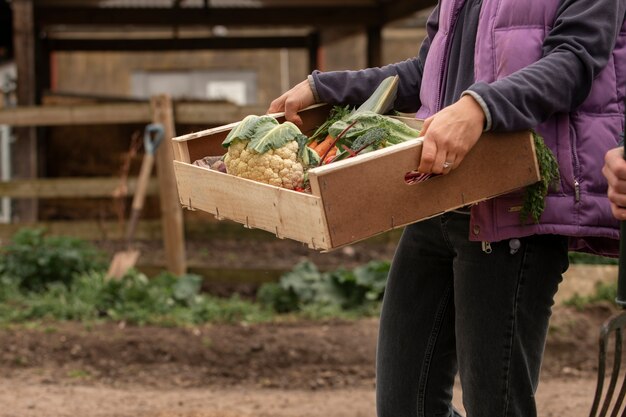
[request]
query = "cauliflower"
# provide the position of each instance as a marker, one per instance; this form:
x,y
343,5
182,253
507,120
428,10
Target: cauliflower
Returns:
x,y
261,149
279,167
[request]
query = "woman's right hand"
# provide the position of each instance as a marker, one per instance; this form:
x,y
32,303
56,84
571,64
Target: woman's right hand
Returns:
x,y
294,100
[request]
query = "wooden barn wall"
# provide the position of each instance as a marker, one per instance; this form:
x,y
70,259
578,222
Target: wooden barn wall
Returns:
x,y
109,73
399,44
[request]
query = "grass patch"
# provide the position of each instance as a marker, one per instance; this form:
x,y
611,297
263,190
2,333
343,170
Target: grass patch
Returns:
x,y
589,259
165,300
603,292
79,374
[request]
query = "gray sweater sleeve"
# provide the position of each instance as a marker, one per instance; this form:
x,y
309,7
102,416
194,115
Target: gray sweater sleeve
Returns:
x,y
575,51
354,87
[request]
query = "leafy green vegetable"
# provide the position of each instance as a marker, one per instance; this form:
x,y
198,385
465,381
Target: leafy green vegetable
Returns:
x,y
163,300
248,128
336,113
373,137
381,100
266,138
264,133
535,194
34,260
398,131
309,285
305,154
306,286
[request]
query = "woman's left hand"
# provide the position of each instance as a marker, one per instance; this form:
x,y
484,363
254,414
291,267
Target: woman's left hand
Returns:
x,y
450,134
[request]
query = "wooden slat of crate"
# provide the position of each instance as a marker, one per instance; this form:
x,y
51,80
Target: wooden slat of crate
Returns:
x,y
288,214
368,194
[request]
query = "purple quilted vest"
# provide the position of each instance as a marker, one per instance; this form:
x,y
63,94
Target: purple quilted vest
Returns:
x,y
510,36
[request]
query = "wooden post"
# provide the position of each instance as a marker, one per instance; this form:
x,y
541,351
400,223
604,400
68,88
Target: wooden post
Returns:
x,y
24,150
171,210
374,46
314,50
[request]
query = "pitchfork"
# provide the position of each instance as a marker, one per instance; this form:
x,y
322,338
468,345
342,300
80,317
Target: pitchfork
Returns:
x,y
614,325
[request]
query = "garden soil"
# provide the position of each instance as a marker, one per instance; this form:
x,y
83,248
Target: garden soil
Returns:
x,y
286,368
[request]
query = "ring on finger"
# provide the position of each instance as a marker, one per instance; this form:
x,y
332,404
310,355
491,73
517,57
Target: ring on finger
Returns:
x,y
447,165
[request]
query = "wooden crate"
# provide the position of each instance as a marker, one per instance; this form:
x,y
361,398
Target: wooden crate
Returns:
x,y
355,198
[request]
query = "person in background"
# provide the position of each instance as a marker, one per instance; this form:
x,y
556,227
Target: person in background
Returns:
x,y
470,291
614,171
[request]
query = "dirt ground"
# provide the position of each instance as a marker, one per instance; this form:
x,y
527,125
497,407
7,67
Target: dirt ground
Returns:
x,y
280,369
283,369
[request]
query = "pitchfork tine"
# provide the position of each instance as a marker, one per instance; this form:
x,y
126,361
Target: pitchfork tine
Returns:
x,y
622,391
613,325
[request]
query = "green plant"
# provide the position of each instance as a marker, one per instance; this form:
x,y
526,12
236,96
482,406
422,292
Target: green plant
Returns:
x,y
590,259
535,194
280,299
603,292
306,289
78,374
35,260
163,300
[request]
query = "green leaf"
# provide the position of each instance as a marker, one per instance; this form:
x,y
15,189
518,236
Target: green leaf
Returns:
x,y
302,281
262,133
186,288
535,194
381,101
274,137
373,137
249,127
280,299
367,120
373,277
336,113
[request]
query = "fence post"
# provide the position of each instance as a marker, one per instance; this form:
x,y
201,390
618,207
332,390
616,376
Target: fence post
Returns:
x,y
171,210
25,147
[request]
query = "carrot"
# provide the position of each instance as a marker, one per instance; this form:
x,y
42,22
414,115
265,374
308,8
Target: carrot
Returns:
x,y
312,144
329,142
331,155
325,145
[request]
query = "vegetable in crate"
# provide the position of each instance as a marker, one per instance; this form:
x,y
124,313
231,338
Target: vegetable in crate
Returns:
x,y
366,120
380,102
366,131
215,163
261,149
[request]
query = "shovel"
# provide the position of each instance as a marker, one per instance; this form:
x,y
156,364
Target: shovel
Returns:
x,y
125,260
613,326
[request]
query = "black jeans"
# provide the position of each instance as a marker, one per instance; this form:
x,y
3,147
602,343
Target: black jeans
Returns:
x,y
451,307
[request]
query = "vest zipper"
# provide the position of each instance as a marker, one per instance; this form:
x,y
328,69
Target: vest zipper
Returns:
x,y
487,247
576,170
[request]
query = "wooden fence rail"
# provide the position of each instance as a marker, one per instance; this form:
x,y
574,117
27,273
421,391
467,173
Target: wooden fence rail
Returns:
x,y
123,113
69,187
